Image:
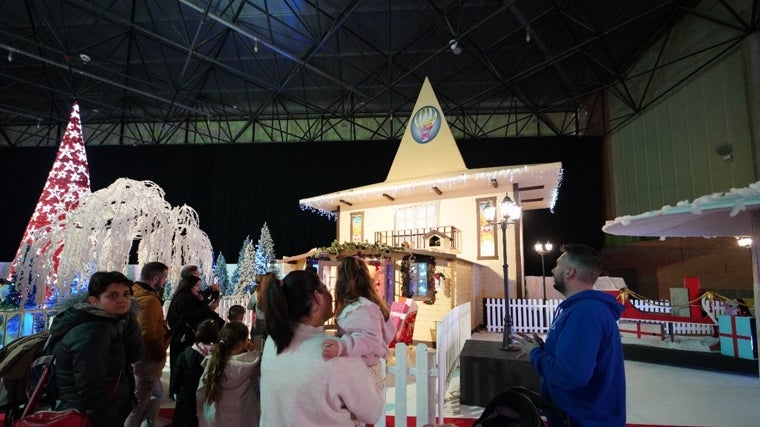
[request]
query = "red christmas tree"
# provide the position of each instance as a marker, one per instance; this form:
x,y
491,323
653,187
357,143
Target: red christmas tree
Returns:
x,y
67,181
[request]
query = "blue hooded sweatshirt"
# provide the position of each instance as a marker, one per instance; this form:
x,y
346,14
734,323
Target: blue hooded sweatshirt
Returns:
x,y
581,364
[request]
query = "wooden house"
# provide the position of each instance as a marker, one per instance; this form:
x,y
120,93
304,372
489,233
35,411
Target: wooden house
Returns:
x,y
431,210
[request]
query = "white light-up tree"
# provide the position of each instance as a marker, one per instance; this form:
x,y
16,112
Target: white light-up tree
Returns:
x,y
99,235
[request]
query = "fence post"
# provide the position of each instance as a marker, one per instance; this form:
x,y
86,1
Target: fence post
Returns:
x,y
421,373
400,384
381,421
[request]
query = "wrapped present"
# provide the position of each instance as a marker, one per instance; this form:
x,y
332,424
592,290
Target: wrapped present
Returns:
x,y
738,336
399,307
403,315
641,329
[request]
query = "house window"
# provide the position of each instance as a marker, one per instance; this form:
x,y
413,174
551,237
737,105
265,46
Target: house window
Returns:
x,y
418,216
418,279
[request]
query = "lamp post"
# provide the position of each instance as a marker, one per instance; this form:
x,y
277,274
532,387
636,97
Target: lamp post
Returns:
x,y
510,212
543,249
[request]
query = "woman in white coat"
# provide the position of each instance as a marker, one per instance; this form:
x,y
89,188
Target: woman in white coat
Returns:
x,y
228,392
299,387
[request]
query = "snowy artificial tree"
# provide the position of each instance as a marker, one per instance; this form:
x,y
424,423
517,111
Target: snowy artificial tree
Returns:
x,y
236,273
99,233
264,257
246,269
221,276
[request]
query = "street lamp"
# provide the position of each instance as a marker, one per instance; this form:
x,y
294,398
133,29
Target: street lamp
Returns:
x,y
542,249
510,212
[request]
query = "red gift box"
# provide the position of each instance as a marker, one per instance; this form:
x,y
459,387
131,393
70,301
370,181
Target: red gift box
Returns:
x,y
641,329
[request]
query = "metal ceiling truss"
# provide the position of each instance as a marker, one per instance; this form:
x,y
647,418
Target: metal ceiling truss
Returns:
x,y
243,71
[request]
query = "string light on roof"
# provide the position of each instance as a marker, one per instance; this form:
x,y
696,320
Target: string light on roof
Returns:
x,y
555,193
406,188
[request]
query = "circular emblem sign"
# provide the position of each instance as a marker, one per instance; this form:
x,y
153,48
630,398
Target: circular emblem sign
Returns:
x,y
426,123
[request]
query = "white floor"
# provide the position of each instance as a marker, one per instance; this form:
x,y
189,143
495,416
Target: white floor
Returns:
x,y
656,394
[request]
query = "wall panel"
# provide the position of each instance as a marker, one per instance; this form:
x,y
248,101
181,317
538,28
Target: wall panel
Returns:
x,y
667,154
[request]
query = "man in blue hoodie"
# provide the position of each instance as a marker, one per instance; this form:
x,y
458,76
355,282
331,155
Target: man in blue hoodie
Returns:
x,y
581,364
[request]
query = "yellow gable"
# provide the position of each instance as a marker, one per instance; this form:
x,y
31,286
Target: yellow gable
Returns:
x,y
428,147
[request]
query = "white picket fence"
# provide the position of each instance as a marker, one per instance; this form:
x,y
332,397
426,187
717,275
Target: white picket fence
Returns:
x,y
528,315
536,316
228,301
451,333
681,328
419,378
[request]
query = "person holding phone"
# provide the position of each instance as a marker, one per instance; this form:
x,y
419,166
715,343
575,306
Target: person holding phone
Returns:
x,y
210,293
186,311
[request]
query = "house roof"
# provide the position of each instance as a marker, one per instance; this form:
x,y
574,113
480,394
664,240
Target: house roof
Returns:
x,y
428,166
538,185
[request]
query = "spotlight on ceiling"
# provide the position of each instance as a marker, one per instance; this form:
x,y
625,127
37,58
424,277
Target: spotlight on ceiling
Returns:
x,y
10,55
455,46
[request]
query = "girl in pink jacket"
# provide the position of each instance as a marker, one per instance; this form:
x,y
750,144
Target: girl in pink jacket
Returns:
x,y
363,318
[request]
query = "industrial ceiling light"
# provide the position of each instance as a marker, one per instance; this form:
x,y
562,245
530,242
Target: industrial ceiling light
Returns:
x,y
454,45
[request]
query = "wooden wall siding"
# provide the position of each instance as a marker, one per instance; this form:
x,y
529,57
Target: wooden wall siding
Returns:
x,y
721,265
667,154
457,289
465,289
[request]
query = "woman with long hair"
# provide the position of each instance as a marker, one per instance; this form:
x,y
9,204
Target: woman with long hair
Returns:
x,y
259,329
298,386
186,311
227,394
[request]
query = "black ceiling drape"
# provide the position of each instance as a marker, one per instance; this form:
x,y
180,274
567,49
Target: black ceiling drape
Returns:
x,y
236,188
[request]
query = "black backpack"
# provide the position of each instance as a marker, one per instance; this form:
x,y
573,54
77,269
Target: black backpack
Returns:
x,y
518,407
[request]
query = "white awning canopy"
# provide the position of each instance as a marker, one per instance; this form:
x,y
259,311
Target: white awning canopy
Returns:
x,y
714,215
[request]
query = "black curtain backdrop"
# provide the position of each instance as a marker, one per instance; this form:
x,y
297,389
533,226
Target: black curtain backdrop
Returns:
x,y
236,188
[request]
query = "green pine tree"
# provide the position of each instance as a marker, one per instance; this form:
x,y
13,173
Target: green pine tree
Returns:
x,y
265,257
